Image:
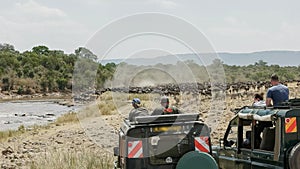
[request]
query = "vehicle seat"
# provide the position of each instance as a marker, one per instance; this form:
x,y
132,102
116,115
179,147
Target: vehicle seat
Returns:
x,y
268,140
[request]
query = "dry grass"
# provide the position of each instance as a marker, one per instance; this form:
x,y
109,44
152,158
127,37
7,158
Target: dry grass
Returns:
x,y
121,96
106,96
71,159
67,118
117,96
4,135
144,97
109,102
106,107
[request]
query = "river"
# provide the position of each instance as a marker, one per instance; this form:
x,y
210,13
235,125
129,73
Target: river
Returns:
x,y
28,113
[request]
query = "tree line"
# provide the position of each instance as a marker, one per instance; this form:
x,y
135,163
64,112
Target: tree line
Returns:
x,y
41,70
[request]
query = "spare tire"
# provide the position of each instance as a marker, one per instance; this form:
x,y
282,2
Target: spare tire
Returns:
x,y
294,158
196,160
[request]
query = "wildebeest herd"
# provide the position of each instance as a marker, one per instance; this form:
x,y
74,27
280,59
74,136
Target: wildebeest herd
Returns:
x,y
204,89
233,90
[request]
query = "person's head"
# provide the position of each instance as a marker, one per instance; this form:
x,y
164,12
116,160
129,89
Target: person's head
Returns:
x,y
164,102
258,97
274,79
136,102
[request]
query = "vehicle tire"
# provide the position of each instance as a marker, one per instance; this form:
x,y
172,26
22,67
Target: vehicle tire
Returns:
x,y
294,158
196,160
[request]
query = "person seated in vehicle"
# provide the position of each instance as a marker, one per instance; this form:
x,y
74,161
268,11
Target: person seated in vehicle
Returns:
x,y
278,93
137,110
165,109
259,100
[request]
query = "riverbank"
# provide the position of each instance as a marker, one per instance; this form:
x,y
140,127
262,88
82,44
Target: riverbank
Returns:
x,y
10,96
75,140
63,144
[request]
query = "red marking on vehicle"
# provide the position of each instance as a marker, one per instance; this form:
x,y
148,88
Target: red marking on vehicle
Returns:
x,y
202,144
291,125
136,149
287,120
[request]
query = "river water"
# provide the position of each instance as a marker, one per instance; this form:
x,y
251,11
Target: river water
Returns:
x,y
29,113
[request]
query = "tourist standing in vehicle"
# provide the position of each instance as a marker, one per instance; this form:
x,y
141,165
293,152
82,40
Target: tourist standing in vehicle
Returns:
x,y
278,93
259,101
137,110
165,109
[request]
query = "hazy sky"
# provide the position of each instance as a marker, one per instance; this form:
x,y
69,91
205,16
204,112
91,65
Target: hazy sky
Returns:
x,y
230,26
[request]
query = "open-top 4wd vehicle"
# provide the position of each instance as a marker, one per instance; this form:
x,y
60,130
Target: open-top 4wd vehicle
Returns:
x,y
164,142
259,138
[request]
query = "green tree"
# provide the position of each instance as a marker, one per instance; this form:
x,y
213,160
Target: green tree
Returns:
x,y
40,50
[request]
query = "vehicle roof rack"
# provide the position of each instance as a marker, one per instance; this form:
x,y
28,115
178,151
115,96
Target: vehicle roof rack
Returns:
x,y
166,118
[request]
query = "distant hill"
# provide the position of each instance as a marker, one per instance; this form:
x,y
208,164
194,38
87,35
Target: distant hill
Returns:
x,y
282,58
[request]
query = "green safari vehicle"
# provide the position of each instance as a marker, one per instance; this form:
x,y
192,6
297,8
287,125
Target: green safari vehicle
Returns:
x,y
264,137
177,141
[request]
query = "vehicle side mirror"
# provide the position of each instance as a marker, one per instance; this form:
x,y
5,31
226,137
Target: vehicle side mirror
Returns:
x,y
116,151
